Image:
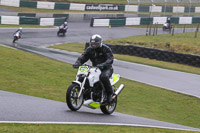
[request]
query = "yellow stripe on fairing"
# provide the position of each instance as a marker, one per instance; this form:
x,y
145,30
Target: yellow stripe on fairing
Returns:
x,y
95,105
115,77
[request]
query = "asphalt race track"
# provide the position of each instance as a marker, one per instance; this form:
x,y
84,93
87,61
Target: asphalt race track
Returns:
x,y
32,109
26,109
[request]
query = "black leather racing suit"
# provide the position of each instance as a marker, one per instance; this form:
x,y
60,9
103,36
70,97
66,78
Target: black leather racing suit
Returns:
x,y
20,33
169,23
101,57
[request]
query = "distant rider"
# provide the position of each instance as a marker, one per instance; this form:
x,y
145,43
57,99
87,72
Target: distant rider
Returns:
x,y
169,22
101,56
65,25
20,32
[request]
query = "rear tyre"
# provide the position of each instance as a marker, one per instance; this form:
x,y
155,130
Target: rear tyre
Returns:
x,y
110,108
73,101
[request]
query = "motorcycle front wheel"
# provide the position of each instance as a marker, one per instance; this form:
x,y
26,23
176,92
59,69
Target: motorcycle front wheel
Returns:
x,y
110,108
58,33
73,101
163,28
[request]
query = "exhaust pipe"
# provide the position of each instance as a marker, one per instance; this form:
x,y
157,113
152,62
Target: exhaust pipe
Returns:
x,y
119,90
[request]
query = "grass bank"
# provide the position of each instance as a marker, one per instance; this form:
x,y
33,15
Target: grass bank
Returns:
x,y
44,128
35,75
77,47
180,42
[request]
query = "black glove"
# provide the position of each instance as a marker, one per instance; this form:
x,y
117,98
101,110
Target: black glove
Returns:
x,y
76,65
100,66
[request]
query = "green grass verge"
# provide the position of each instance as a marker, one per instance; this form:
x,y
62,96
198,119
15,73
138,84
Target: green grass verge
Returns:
x,y
35,75
77,47
180,42
23,26
44,128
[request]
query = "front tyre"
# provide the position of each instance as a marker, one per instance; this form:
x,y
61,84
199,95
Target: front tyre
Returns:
x,y
163,28
73,101
110,108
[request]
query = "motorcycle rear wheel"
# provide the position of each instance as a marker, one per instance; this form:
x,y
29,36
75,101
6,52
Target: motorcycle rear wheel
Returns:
x,y
72,100
110,108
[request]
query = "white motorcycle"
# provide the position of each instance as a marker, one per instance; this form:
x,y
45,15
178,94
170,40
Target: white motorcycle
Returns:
x,y
88,90
167,27
16,37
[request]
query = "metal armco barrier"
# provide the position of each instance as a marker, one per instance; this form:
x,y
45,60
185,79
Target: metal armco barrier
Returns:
x,y
188,59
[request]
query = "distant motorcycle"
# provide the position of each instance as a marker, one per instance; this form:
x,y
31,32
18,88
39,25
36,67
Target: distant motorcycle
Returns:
x,y
166,26
88,90
16,36
62,30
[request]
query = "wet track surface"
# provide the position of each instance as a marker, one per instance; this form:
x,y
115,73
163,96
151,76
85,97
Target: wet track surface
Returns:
x,y
77,33
81,32
37,109
32,109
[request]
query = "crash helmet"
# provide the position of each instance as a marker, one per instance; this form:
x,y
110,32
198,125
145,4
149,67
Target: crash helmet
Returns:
x,y
20,28
65,23
96,41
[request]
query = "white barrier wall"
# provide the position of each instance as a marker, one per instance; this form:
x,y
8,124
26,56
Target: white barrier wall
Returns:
x,y
178,9
10,20
185,20
74,6
131,8
156,8
197,9
46,21
14,3
45,5
101,22
133,21
159,20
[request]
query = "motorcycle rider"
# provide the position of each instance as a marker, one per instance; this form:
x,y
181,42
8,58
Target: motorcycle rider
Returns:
x,y
101,56
20,32
65,24
169,22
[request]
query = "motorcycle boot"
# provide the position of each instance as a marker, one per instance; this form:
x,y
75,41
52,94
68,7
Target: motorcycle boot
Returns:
x,y
109,97
109,90
104,77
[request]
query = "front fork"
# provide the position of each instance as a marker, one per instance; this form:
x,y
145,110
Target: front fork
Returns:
x,y
81,85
